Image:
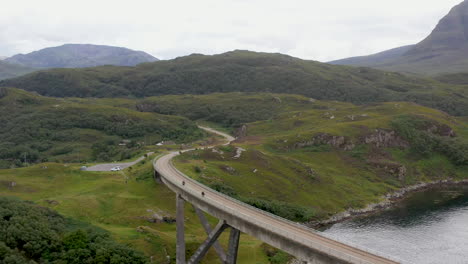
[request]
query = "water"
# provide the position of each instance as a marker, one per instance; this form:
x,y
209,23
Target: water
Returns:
x,y
428,227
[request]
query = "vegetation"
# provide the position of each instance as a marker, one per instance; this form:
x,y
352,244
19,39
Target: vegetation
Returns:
x,y
122,203
33,234
229,110
427,138
326,157
36,128
243,71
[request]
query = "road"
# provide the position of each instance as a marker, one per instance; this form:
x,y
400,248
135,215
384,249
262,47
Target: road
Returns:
x,y
296,233
109,166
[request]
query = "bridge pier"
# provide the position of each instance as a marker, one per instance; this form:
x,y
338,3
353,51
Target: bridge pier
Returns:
x,y
210,241
157,176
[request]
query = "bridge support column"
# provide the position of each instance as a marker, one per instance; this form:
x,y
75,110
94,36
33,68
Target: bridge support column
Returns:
x,y
210,240
219,250
157,177
234,237
180,247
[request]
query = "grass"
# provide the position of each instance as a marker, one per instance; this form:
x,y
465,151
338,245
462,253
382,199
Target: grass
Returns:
x,y
105,199
322,177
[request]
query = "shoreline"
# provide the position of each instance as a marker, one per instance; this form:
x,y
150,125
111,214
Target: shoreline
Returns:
x,y
389,200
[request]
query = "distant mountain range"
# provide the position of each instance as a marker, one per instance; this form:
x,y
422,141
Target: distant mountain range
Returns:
x,y
445,50
72,56
3,57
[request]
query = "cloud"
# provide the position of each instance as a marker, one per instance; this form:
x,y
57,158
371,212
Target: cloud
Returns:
x,y
318,30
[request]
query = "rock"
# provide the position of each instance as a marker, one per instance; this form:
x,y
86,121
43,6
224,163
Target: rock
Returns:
x,y
238,152
395,169
385,138
158,217
241,132
339,142
52,202
441,130
215,150
228,169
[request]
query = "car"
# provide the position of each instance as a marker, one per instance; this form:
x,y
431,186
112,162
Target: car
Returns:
x,y
116,168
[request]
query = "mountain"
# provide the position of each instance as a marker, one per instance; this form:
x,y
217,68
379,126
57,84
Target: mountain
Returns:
x,y
244,71
445,50
380,58
3,57
80,56
10,70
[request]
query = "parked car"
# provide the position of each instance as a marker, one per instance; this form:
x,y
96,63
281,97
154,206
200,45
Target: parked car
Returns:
x,y
116,168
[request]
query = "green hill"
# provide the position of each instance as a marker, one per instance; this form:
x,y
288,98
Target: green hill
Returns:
x,y
36,128
243,71
312,160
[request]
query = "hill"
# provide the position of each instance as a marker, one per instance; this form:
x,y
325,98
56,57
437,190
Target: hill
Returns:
x,y
38,129
10,70
81,55
445,50
317,158
244,71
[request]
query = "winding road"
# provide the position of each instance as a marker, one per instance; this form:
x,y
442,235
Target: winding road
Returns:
x,y
291,237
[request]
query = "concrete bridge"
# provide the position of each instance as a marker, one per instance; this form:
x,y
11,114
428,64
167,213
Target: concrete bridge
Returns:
x,y
301,242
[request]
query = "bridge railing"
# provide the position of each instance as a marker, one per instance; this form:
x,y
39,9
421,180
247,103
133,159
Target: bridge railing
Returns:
x,y
274,229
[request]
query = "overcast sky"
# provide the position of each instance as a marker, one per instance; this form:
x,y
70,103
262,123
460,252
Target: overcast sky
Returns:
x,y
311,29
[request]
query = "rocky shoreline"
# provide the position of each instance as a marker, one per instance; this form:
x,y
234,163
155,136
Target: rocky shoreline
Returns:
x,y
389,200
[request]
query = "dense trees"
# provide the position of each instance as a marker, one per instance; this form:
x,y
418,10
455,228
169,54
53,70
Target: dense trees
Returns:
x,y
33,234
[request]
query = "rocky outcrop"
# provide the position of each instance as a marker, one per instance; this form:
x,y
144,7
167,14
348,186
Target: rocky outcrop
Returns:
x,y
380,138
395,169
339,142
158,217
441,130
385,138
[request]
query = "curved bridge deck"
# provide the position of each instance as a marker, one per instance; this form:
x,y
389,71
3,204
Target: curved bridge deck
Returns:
x,y
304,243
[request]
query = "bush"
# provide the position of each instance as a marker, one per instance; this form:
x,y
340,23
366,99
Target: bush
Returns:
x,y
33,234
425,143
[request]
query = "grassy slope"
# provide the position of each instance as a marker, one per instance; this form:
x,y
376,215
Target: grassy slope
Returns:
x,y
106,200
41,128
326,179
243,71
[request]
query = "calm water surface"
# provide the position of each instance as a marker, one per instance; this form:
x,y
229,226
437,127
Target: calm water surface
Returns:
x,y
428,227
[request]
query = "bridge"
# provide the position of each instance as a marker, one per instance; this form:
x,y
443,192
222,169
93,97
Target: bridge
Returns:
x,y
301,242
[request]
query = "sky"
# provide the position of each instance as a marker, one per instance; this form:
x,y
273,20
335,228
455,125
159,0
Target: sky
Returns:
x,y
321,30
